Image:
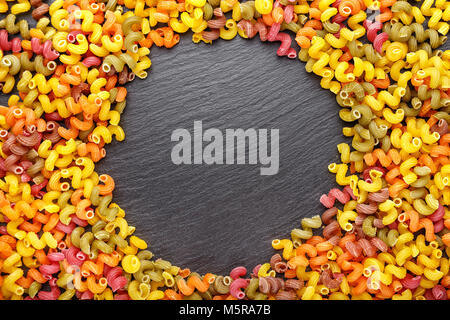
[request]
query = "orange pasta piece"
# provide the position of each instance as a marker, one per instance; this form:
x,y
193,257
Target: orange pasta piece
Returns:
x,y
357,272
413,218
361,286
108,184
428,225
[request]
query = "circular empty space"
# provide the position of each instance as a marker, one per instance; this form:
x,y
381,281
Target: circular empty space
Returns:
x,y
211,218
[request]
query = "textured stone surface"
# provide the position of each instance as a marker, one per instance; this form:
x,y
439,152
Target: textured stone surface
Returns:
x,y
212,218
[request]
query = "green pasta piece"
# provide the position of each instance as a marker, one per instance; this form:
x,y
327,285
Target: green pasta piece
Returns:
x,y
247,10
331,27
40,67
368,227
370,53
369,88
356,156
385,143
75,236
421,182
85,242
348,115
162,264
302,19
399,32
356,49
364,114
67,295
222,284
363,146
392,237
12,62
111,5
34,289
382,235
303,55
129,22
400,6
102,235
354,88
131,39
205,295
64,198
214,3
120,106
102,246
144,255
412,44
115,239
435,102
378,132
155,276
363,132
208,11
291,26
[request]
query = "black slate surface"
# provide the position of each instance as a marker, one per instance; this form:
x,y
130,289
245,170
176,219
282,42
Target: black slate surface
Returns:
x,y
213,218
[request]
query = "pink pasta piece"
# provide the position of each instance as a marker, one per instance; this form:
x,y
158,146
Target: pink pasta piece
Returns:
x,y
236,286
262,30
379,244
285,46
379,40
410,282
49,269
438,226
336,4
349,191
256,270
238,272
87,295
36,46
372,29
5,44
65,228
439,292
334,194
16,45
24,177
48,52
74,256
53,294
289,13
91,61
273,31
438,214
115,278
78,221
248,28
56,256
38,187
338,18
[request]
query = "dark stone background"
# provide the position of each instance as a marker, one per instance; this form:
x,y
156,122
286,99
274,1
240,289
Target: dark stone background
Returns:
x,y
213,218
